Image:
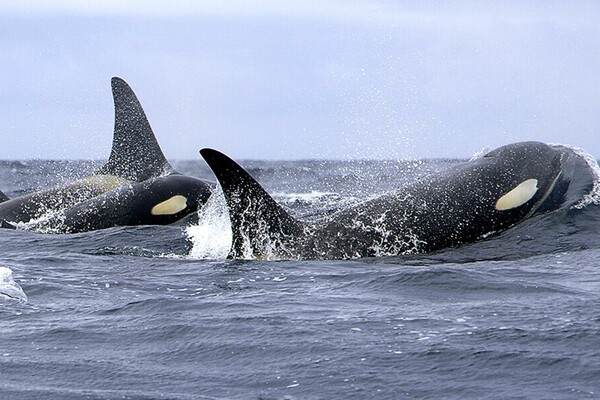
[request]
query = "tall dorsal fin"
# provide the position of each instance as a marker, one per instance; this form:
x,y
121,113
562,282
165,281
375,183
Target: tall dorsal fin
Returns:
x,y
261,227
3,197
135,153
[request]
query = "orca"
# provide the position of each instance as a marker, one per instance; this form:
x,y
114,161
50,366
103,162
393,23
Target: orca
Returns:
x,y
136,178
158,201
462,204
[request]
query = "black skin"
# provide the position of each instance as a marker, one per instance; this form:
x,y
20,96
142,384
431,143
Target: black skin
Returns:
x,y
446,209
34,205
132,205
6,225
453,207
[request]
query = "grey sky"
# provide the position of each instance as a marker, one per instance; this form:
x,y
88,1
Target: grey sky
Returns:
x,y
305,79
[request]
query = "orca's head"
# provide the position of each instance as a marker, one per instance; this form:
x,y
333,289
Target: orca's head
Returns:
x,y
173,197
523,177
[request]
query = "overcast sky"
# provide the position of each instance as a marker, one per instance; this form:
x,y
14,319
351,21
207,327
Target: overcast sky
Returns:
x,y
305,79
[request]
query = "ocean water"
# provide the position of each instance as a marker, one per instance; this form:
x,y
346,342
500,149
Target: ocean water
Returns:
x,y
159,313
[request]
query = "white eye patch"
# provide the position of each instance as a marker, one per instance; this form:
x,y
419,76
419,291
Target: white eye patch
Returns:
x,y
520,195
171,206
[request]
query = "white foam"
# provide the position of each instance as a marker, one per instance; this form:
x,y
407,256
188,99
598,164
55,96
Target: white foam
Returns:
x,y
8,287
212,237
50,222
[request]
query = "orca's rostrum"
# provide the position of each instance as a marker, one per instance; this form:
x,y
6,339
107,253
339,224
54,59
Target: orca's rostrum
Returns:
x,y
136,186
461,204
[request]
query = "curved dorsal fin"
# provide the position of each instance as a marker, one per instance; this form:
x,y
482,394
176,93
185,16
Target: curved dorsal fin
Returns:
x,y
3,197
135,153
259,225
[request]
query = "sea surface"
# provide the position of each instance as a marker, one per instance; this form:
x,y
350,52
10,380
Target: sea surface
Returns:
x,y
158,312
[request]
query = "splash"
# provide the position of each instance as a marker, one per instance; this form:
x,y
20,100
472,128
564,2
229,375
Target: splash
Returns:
x,y
386,240
270,246
9,288
211,238
50,222
480,153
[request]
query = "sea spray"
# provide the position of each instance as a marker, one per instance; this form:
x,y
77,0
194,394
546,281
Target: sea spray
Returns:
x,y
211,237
9,288
480,153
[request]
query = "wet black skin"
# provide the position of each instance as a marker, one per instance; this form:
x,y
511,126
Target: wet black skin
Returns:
x,y
453,207
132,204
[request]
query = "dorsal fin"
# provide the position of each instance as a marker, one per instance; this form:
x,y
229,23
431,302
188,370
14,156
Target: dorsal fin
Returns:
x,y
261,228
3,197
135,153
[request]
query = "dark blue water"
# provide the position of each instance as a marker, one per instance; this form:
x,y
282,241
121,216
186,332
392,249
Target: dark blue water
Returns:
x,y
135,313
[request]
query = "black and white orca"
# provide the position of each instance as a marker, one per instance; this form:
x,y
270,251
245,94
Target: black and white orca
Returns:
x,y
137,185
461,204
